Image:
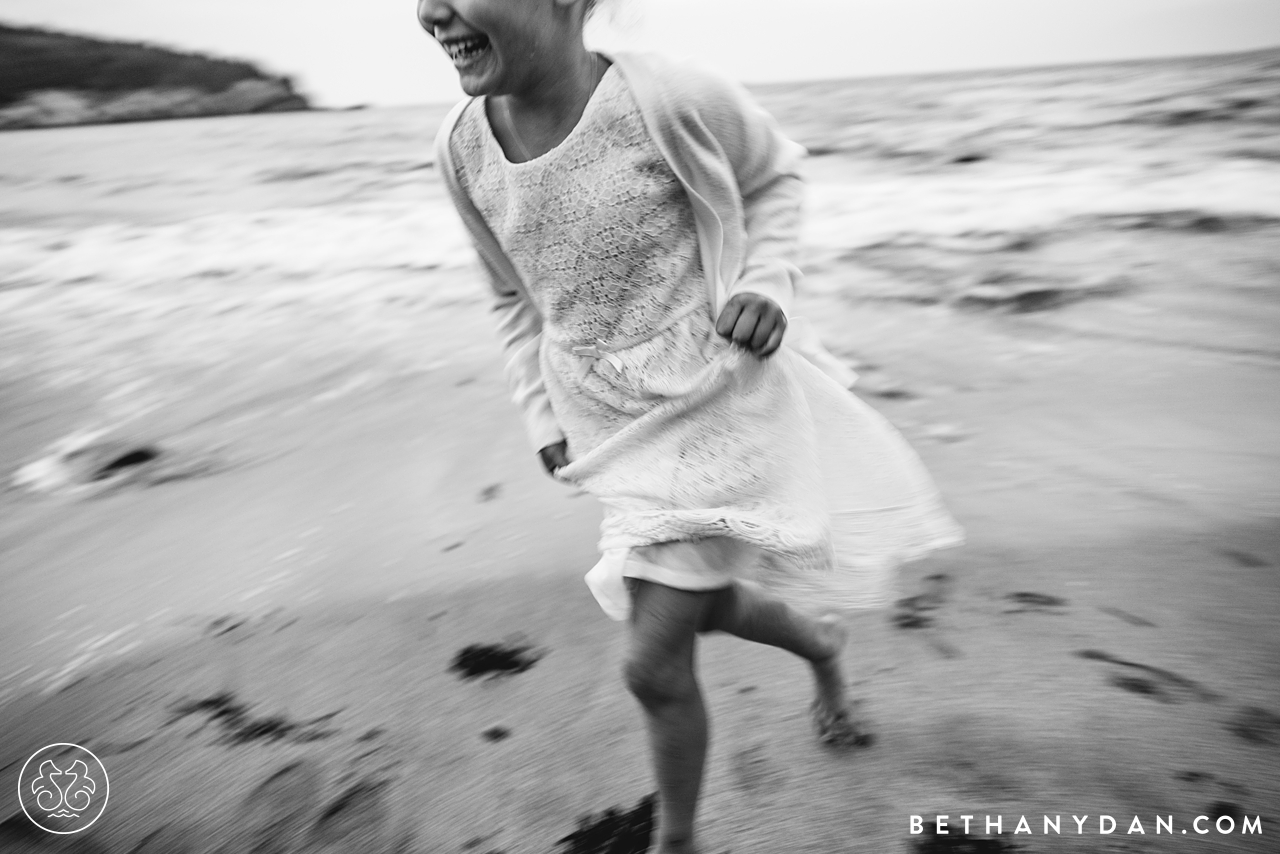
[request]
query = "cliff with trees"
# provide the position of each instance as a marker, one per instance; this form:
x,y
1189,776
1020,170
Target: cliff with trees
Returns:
x,y
48,79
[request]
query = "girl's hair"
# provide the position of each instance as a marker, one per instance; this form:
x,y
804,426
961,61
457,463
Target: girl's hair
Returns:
x,y
593,5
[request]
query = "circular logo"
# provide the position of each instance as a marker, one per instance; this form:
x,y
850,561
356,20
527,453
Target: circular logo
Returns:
x,y
63,788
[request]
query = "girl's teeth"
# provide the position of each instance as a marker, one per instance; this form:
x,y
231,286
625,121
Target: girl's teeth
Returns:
x,y
466,49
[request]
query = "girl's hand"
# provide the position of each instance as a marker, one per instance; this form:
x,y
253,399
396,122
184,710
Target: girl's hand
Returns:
x,y
753,322
554,457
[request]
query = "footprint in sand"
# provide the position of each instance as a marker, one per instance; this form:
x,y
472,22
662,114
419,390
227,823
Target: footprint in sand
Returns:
x,y
355,821
224,625
1131,619
913,612
1245,559
916,612
1226,788
286,814
275,816
1218,809
1041,603
19,836
1140,685
1155,682
167,840
1255,724
755,771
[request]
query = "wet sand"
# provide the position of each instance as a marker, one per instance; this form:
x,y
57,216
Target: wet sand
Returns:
x,y
1075,324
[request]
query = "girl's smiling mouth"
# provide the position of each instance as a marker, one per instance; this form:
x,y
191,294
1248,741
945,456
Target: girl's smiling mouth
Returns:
x,y
466,51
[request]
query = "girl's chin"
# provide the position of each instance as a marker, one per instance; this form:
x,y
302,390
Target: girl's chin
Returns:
x,y
474,85
478,76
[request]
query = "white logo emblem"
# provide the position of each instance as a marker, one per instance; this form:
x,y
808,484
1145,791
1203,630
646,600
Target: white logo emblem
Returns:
x,y
63,788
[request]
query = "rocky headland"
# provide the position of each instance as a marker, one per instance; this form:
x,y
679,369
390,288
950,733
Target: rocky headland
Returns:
x,y
50,79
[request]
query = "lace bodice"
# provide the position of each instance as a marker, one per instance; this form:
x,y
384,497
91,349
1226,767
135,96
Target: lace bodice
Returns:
x,y
680,435
599,227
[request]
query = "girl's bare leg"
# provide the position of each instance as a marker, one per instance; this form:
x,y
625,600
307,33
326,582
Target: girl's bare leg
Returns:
x,y
660,672
750,613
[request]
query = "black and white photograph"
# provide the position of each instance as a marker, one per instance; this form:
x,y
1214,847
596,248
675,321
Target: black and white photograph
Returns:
x,y
624,426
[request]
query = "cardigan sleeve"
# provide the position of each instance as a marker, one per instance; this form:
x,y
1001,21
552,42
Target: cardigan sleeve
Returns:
x,y
520,331
767,168
518,321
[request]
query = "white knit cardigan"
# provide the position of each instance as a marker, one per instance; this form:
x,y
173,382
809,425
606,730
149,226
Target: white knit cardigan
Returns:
x,y
742,177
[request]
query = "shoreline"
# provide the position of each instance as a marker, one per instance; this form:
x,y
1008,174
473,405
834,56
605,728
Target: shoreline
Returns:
x,y
1075,330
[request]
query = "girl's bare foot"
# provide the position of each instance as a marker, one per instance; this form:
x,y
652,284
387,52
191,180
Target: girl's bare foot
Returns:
x,y
831,712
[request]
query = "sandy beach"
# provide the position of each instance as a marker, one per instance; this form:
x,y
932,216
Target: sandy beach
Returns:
x,y
262,486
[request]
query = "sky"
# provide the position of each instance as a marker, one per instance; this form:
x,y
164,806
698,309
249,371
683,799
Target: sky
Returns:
x,y
348,52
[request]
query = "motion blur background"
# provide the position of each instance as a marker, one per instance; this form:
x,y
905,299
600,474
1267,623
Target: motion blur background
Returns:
x,y
259,465
346,53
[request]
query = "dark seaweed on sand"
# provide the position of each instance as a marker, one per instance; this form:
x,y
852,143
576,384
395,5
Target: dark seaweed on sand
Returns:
x,y
612,831
962,844
481,659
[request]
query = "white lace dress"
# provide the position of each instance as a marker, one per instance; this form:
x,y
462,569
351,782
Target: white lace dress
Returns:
x,y
710,462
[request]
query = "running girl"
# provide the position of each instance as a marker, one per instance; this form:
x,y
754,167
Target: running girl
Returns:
x,y
638,222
